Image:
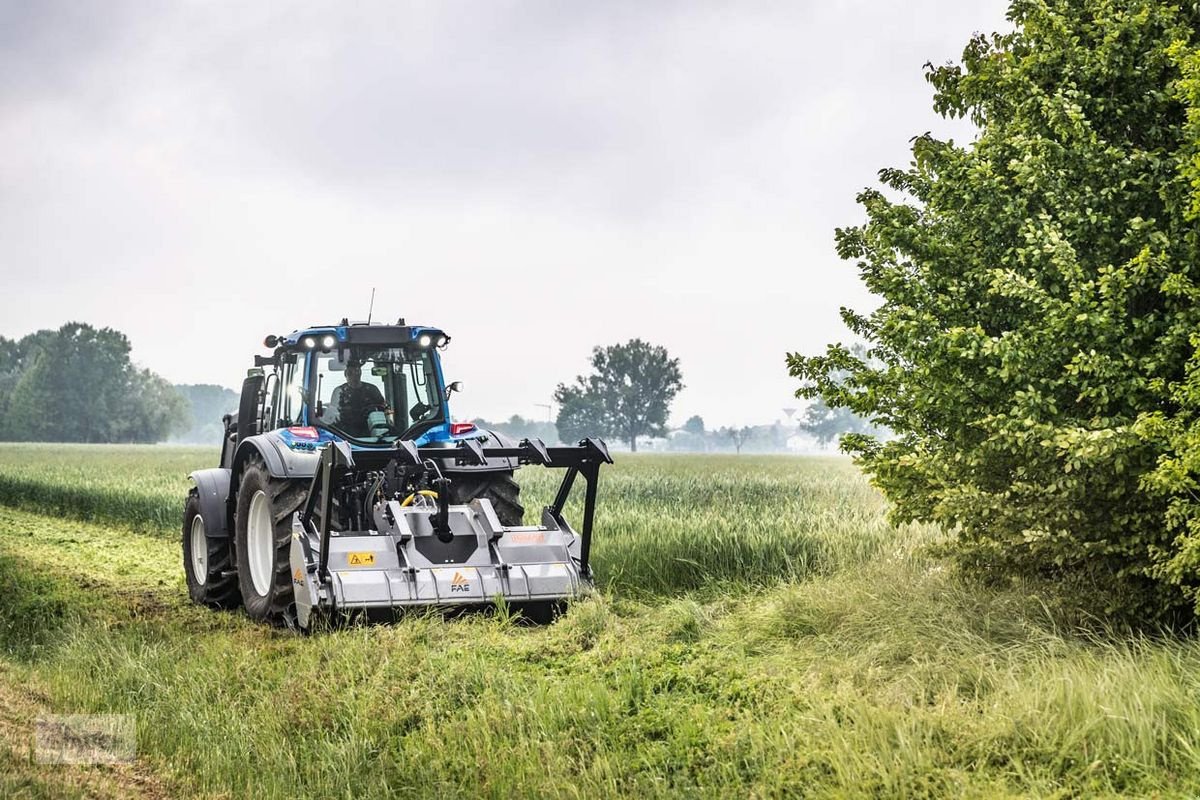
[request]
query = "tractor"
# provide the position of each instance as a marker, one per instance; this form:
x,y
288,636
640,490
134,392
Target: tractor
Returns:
x,y
345,490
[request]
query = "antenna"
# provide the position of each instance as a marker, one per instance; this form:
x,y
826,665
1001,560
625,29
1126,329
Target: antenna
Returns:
x,y
371,310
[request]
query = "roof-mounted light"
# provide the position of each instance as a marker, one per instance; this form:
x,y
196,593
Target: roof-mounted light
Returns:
x,y
425,340
328,342
310,342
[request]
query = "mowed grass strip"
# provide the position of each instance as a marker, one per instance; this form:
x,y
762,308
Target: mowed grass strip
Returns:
x,y
893,679
665,523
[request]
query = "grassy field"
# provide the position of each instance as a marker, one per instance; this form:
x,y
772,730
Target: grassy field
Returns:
x,y
761,632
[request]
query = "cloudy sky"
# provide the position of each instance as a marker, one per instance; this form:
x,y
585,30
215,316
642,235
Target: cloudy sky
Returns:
x,y
536,178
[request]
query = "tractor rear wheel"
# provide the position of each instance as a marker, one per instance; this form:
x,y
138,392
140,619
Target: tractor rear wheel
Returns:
x,y
264,536
207,561
499,487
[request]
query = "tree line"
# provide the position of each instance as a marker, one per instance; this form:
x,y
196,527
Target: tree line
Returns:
x,y
77,384
628,396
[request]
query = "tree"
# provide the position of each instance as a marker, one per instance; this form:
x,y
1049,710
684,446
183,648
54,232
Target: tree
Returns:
x,y
695,424
77,384
628,394
739,437
522,428
827,424
1038,301
207,403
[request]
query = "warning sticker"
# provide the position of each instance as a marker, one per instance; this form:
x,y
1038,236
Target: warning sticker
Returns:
x,y
360,559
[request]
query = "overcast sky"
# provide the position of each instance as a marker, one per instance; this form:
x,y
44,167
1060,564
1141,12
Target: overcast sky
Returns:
x,y
536,178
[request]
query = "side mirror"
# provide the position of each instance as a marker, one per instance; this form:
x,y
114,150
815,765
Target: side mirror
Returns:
x,y
454,387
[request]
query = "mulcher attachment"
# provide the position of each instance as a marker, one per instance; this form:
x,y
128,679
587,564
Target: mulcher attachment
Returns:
x,y
376,540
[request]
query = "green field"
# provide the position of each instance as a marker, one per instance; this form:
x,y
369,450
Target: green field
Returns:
x,y
761,631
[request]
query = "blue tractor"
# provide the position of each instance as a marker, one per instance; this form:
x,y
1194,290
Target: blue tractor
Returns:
x,y
345,489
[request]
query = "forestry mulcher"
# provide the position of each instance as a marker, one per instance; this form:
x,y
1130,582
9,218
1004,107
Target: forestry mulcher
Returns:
x,y
344,489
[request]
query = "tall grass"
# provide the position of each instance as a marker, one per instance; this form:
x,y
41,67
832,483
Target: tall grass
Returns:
x,y
894,679
665,523
825,655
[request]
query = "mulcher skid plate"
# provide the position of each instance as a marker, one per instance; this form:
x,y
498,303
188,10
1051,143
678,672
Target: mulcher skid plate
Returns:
x,y
436,554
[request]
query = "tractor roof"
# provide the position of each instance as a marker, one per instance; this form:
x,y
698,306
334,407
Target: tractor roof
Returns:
x,y
364,333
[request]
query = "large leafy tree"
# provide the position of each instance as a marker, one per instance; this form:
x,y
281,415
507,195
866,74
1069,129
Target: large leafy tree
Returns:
x,y
1035,339
628,394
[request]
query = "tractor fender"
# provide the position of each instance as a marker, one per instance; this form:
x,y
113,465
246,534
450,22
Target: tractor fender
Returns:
x,y
212,489
281,460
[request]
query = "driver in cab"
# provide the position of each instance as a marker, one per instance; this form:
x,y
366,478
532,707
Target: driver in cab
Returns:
x,y
353,400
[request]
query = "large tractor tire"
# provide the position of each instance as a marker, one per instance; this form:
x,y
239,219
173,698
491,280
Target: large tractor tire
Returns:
x,y
499,487
207,561
264,536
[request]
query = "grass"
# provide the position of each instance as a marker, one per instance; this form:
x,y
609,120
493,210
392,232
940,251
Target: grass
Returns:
x,y
669,523
864,668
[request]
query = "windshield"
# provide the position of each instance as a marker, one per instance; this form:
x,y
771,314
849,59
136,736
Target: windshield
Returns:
x,y
377,394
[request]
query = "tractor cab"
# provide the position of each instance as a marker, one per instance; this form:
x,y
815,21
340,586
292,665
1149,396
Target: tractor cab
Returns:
x,y
367,385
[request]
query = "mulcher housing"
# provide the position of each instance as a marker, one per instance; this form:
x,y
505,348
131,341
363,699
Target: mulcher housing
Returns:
x,y
435,553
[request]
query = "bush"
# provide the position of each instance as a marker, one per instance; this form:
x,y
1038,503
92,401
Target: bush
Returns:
x,y
1035,350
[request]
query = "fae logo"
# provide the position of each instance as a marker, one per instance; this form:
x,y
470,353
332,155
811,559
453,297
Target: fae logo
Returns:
x,y
459,584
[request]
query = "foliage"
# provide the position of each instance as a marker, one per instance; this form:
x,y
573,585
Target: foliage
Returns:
x,y
1038,306
694,424
628,394
827,424
77,384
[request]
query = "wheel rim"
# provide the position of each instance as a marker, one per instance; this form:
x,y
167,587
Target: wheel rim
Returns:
x,y
199,551
260,535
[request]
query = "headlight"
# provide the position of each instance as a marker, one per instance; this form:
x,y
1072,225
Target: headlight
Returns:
x,y
328,342
425,340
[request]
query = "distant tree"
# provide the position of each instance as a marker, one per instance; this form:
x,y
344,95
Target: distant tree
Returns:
x,y
521,428
739,437
207,403
157,410
694,424
827,424
580,414
628,395
77,384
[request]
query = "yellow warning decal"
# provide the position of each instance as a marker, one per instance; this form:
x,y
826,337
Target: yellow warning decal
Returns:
x,y
360,559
